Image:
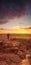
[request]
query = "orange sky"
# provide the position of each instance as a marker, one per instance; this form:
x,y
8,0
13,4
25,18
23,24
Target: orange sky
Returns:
x,y
15,31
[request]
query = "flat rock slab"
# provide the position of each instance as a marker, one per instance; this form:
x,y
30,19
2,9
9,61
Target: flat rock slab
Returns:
x,y
16,59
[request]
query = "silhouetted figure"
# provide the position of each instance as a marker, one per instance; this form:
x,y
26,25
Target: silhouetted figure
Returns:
x,y
7,36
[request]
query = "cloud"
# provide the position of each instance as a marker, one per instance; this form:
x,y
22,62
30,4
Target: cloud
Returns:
x,y
14,8
4,21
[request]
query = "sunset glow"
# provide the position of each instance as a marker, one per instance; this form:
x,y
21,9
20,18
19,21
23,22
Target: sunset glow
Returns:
x,y
15,31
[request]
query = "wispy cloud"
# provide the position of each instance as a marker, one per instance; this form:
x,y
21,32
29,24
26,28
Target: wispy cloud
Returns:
x,y
14,8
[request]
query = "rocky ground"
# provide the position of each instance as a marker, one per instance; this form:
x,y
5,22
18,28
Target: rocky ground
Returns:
x,y
15,52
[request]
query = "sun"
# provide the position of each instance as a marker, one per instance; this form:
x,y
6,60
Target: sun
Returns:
x,y
15,31
23,32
